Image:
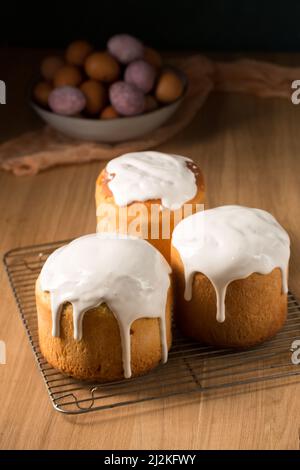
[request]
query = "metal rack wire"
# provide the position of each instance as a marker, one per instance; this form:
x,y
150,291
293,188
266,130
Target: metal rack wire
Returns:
x,y
191,367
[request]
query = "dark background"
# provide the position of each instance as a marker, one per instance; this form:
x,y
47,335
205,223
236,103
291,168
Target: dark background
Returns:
x,y
216,25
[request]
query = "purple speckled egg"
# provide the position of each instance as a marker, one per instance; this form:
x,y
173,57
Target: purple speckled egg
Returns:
x,y
126,98
125,48
66,100
141,74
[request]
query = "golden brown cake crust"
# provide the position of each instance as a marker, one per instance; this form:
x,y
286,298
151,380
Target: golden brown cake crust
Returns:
x,y
104,196
256,308
98,355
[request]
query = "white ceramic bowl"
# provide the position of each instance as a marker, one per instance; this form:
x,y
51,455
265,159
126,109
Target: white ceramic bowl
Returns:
x,y
110,130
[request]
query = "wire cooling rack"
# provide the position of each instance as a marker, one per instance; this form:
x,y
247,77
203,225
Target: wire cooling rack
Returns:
x,y
191,367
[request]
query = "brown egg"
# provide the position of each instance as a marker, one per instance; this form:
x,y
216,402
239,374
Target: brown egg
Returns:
x,y
102,66
77,52
67,75
153,57
95,95
150,103
41,93
109,113
169,87
50,65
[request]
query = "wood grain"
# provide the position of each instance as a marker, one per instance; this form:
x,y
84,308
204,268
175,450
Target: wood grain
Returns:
x,y
249,150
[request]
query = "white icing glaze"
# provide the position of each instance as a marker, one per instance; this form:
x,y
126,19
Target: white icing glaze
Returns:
x,y
229,243
126,273
140,176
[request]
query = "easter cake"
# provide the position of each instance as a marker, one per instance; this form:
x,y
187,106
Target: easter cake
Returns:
x,y
230,266
104,308
146,193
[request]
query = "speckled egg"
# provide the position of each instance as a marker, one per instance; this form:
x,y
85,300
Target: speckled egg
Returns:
x,y
66,100
68,75
125,48
50,65
126,98
109,113
77,52
169,87
41,93
141,74
95,95
102,66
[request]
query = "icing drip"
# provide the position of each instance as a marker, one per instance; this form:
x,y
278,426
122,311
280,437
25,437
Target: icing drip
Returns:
x,y
126,273
229,243
140,176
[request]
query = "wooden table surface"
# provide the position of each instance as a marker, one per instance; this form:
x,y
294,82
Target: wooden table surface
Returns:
x,y
249,151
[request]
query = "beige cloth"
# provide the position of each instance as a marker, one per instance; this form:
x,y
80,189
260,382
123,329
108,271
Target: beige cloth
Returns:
x,y
38,150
